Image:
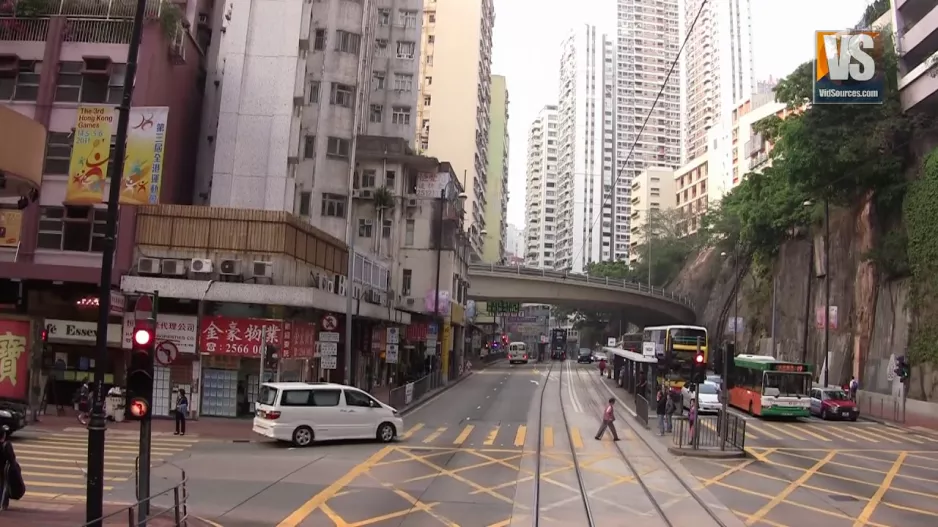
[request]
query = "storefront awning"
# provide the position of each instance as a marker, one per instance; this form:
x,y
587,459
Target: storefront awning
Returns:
x,y
275,295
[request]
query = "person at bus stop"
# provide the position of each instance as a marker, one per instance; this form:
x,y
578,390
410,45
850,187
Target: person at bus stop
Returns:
x,y
182,410
608,422
661,404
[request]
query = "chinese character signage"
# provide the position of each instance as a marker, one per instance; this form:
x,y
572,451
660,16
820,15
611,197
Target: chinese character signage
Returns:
x,y
178,329
500,307
238,336
299,339
91,155
14,359
143,169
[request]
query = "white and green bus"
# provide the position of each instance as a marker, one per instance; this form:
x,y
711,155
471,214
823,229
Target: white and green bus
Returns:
x,y
764,385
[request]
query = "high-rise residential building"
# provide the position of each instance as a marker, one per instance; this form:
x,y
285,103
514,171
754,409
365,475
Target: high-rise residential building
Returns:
x,y
455,76
496,190
585,150
917,45
647,42
514,242
718,71
540,190
652,191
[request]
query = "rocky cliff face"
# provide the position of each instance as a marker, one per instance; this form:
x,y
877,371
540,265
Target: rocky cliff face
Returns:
x,y
872,321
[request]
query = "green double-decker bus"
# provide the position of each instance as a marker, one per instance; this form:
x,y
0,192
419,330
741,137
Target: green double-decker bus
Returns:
x,y
764,385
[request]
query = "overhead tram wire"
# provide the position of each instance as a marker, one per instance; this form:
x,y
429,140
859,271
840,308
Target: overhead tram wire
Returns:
x,y
664,84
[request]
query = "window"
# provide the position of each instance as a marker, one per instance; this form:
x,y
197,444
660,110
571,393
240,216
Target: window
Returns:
x,y
381,48
342,95
384,17
406,49
375,114
367,179
314,92
72,229
306,198
364,228
337,147
431,39
403,82
409,233
25,85
429,60
428,80
295,398
72,86
386,229
309,147
407,280
390,179
431,18
325,398
408,18
58,153
377,80
426,100
333,205
319,41
347,42
400,114
268,395
357,398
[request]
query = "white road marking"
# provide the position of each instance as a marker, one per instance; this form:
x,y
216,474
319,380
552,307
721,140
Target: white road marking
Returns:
x,y
478,407
535,382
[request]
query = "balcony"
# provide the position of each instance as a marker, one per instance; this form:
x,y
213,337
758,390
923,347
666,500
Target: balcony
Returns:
x,y
92,21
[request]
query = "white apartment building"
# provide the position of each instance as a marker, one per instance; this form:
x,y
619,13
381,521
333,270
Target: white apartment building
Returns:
x,y
289,104
540,191
585,150
647,42
653,190
455,76
514,242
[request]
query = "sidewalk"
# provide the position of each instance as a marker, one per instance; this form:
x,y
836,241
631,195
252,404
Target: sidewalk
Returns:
x,y
215,428
44,514
383,393
889,410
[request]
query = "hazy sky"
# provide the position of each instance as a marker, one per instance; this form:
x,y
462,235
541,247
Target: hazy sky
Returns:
x,y
527,42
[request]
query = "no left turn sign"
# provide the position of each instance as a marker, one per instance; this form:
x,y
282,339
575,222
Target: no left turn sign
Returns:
x,y
166,353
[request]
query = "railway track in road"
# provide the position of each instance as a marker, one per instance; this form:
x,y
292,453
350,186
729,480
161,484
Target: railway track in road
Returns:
x,y
592,402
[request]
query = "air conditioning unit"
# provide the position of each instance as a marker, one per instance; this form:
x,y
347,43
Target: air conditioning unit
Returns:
x,y
229,268
367,193
173,267
148,265
411,202
200,265
356,193
330,286
356,291
410,301
261,269
340,285
323,282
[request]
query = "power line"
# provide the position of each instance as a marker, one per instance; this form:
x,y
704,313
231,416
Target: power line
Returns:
x,y
664,84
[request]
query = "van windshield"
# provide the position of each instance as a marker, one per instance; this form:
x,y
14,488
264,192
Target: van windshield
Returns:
x,y
267,396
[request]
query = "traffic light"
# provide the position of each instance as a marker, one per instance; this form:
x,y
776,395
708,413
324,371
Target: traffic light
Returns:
x,y
271,356
504,339
699,368
140,371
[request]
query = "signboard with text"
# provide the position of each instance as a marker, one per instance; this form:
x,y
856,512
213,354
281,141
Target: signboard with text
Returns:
x,y
222,335
503,308
178,329
14,359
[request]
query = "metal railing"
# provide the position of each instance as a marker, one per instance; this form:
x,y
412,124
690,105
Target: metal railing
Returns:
x,y
641,409
411,392
178,511
705,432
107,9
576,277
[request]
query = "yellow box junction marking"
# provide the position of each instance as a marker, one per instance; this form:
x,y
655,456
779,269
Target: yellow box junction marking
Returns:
x,y
519,437
490,439
463,435
436,433
548,437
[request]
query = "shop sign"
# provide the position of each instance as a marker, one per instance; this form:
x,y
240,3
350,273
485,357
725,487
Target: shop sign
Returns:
x,y
391,356
239,336
77,331
329,363
14,359
299,339
178,329
328,336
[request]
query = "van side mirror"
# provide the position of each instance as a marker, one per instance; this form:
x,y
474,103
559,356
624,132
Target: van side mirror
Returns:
x,y
372,403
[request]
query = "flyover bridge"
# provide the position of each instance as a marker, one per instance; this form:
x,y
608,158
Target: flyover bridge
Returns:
x,y
642,305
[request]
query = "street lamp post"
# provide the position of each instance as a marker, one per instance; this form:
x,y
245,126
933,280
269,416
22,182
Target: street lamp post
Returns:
x,y
724,402
94,494
827,288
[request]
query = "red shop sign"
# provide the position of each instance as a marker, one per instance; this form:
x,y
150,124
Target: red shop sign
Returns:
x,y
299,339
14,359
239,336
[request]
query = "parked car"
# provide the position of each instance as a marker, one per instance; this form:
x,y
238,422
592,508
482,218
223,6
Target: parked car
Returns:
x,y
585,357
833,403
13,415
304,412
707,395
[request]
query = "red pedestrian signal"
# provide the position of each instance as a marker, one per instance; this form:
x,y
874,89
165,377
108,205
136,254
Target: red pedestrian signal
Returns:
x,y
699,358
139,407
45,335
140,371
142,337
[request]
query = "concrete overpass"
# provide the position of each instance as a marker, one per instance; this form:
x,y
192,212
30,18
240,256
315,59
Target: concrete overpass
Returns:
x,y
642,305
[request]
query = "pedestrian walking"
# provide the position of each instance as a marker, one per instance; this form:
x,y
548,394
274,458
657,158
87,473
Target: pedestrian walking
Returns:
x,y
672,407
608,422
602,367
854,386
182,410
661,404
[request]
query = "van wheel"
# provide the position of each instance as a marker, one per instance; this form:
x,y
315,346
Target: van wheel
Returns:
x,y
303,436
386,433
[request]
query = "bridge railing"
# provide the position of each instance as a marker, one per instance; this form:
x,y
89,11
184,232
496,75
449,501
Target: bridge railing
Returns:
x,y
576,277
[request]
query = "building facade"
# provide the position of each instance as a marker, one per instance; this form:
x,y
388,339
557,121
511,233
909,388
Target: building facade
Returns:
x,y
652,191
514,242
647,42
455,76
496,190
585,150
917,24
540,190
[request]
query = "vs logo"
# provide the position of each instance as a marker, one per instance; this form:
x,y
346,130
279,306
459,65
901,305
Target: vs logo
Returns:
x,y
845,68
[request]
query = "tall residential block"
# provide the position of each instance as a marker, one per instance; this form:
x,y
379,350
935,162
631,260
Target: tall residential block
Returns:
x,y
496,191
540,190
455,77
585,168
917,44
647,42
652,192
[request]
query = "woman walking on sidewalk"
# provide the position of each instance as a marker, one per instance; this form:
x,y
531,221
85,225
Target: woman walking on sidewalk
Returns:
x,y
182,410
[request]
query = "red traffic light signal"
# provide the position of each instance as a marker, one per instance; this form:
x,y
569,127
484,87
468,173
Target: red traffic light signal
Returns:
x,y
699,358
139,407
142,337
45,335
505,339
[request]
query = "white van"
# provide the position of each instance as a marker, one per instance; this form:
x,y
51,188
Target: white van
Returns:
x,y
303,412
517,352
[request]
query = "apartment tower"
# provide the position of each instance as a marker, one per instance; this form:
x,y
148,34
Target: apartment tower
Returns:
x,y
647,42
455,76
496,190
540,190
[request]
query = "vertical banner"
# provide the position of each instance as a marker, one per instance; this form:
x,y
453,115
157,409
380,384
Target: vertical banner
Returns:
x,y
143,168
91,152
11,221
14,359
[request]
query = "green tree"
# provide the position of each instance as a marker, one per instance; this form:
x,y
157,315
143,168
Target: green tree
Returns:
x,y
665,247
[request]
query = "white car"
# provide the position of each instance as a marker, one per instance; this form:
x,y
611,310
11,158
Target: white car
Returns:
x,y
707,395
303,412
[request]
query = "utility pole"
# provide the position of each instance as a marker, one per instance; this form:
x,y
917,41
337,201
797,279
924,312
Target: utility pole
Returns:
x,y
439,261
97,425
827,291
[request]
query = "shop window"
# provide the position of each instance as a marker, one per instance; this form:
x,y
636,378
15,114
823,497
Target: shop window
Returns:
x,y
73,86
78,229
